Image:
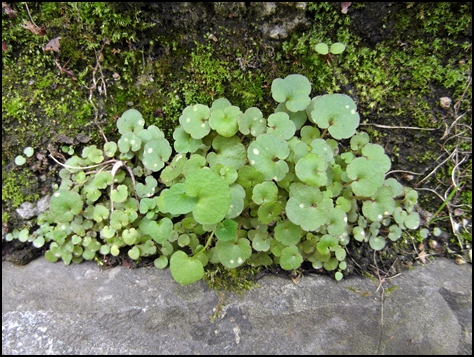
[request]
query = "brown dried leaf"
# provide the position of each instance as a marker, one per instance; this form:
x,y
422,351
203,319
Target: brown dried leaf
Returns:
x,y
40,31
345,7
52,45
4,46
422,256
8,10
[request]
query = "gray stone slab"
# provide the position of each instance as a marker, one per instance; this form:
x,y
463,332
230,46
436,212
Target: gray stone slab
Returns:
x,y
81,309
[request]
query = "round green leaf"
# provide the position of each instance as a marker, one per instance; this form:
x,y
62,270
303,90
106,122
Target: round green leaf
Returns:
x,y
290,258
252,122
288,233
294,90
337,113
227,230
184,142
134,253
367,175
212,193
233,253
377,242
311,170
110,148
322,48
120,194
64,205
176,201
20,160
337,48
130,121
225,121
267,154
161,262
308,208
185,270
194,120
156,153
28,151
279,124
264,192
229,152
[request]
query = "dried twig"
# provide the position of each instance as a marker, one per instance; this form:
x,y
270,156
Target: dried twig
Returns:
x,y
102,88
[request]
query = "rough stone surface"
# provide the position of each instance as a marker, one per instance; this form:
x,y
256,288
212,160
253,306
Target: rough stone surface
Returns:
x,y
27,210
80,309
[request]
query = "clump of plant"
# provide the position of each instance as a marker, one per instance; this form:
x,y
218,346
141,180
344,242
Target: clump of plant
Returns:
x,y
335,49
241,188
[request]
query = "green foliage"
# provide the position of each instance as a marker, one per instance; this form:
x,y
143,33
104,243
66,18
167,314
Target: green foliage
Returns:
x,y
233,197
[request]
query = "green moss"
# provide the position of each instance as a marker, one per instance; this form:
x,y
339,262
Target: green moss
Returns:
x,y
18,187
236,280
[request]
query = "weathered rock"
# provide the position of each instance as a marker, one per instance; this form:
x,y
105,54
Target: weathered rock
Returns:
x,y
81,309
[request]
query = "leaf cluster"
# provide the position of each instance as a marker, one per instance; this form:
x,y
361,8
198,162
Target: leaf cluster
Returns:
x,y
241,189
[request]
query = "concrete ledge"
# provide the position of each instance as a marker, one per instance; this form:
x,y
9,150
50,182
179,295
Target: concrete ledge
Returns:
x,y
54,309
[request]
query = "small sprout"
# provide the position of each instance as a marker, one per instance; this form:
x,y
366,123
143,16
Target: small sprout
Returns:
x,y
337,48
20,160
28,151
322,48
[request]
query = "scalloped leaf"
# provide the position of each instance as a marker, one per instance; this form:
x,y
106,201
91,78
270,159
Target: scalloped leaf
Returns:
x,y
337,113
233,253
195,120
252,122
156,153
64,205
130,121
294,91
267,154
225,121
